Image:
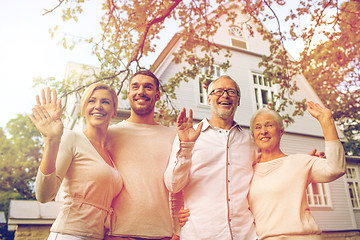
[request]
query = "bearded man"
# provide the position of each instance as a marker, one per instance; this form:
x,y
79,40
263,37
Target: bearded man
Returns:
x,y
213,169
140,148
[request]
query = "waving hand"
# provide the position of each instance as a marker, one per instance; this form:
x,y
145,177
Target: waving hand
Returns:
x,y
49,127
46,118
185,129
324,116
52,105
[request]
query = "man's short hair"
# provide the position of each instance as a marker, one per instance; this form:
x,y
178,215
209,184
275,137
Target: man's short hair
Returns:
x,y
147,73
222,77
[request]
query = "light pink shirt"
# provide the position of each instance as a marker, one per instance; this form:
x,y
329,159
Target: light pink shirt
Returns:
x,y
278,192
214,174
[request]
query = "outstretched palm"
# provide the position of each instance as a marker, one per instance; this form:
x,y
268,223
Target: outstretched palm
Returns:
x,y
48,126
185,129
318,112
52,105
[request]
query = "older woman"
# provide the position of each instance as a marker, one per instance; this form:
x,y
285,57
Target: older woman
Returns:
x,y
80,161
277,194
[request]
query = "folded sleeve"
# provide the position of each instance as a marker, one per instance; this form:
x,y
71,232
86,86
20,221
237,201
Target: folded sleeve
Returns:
x,y
177,173
176,202
333,166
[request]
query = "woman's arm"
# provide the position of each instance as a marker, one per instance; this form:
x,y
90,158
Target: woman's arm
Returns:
x,y
324,116
52,130
334,166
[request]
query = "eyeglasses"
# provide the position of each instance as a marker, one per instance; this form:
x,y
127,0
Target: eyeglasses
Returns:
x,y
220,92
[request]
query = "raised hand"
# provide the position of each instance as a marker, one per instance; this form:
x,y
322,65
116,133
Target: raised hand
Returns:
x,y
52,105
324,116
49,127
185,129
318,112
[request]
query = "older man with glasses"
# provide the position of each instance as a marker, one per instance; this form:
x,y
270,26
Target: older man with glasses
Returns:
x,y
212,165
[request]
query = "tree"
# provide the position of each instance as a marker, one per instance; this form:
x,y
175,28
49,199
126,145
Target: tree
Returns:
x,y
333,68
20,155
130,28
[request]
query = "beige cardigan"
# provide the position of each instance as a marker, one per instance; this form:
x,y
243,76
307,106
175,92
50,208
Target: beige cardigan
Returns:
x,y
89,184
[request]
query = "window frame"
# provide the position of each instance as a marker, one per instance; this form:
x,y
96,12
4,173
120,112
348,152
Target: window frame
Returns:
x,y
322,199
261,88
202,90
354,193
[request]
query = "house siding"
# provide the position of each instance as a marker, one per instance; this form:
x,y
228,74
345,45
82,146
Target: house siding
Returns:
x,y
339,216
357,216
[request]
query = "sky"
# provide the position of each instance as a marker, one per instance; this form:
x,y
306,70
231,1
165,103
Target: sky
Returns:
x,y
28,51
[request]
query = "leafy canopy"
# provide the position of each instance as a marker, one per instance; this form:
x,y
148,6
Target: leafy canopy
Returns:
x,y
20,155
131,29
333,68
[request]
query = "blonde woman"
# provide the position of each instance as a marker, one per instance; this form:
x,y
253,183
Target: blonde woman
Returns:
x,y
80,161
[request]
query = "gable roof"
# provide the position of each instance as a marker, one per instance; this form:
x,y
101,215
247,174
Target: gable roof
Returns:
x,y
257,47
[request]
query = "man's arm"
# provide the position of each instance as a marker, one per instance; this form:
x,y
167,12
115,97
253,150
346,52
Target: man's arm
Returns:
x,y
177,173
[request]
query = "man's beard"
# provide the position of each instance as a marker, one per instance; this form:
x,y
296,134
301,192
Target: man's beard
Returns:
x,y
142,110
224,114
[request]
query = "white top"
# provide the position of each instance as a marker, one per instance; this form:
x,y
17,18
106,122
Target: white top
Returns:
x,y
278,192
214,174
89,185
141,153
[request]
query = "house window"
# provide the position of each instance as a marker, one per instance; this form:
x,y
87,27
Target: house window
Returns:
x,y
203,95
352,177
264,91
318,195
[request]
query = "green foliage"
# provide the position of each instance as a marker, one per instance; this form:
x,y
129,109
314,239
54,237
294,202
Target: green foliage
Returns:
x,y
333,68
20,154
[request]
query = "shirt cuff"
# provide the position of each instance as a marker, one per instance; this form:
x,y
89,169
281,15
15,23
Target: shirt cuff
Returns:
x,y
186,149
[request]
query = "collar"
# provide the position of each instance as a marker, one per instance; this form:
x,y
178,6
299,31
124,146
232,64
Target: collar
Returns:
x,y
207,125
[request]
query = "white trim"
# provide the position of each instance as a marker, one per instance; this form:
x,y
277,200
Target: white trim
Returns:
x,y
260,88
354,179
320,199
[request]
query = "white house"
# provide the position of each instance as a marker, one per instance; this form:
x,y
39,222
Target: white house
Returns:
x,y
336,211
336,205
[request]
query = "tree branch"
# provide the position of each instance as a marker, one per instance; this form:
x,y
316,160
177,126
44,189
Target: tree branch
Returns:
x,y
51,10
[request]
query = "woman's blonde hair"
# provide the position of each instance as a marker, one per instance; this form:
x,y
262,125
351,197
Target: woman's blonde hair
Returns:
x,y
96,86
